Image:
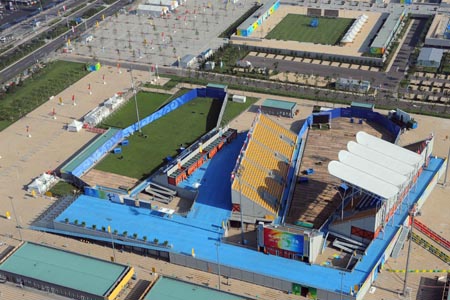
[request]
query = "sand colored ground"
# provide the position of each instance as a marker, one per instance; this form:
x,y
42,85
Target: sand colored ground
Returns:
x,y
25,158
359,45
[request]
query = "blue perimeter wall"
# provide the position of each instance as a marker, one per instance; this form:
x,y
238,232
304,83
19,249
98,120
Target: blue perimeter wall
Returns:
x,y
173,105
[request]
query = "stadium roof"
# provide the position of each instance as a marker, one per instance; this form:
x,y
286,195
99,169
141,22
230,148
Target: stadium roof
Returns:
x,y
379,158
386,32
279,104
388,149
375,169
63,268
171,289
362,179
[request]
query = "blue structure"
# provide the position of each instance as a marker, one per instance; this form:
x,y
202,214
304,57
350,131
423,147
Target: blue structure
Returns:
x,y
200,231
314,23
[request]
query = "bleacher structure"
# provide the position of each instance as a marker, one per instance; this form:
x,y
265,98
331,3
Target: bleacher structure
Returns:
x,y
260,176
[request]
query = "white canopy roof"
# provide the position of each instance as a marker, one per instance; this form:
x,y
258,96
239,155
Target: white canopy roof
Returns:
x,y
372,168
388,149
379,158
362,180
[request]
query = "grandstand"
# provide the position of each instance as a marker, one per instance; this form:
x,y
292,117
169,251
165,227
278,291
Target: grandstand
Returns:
x,y
261,173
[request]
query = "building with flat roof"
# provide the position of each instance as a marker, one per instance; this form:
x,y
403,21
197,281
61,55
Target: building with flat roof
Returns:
x,y
430,57
257,18
172,289
278,108
439,34
64,273
388,31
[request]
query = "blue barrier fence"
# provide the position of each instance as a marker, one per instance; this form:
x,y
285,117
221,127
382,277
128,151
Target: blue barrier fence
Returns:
x,y
97,155
171,106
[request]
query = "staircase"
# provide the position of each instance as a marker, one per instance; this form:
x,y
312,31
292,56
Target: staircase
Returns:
x,y
400,242
432,249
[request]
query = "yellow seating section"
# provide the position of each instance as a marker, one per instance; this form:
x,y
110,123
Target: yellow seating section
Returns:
x,y
266,158
277,127
272,140
251,193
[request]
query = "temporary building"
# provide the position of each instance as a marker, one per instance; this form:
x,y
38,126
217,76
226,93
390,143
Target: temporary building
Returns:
x,y
151,10
170,4
113,102
75,126
239,98
350,35
96,115
42,184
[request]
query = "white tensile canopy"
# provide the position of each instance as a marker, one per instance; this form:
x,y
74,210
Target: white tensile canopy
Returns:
x,y
389,149
374,169
75,126
379,158
363,180
41,184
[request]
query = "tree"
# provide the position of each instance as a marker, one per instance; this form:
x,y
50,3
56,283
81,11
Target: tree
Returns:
x,y
135,235
75,222
83,224
144,238
155,241
94,227
125,233
165,243
66,220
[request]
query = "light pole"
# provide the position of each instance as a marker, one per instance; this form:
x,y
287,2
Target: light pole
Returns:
x,y
412,214
112,243
135,101
15,216
239,173
218,261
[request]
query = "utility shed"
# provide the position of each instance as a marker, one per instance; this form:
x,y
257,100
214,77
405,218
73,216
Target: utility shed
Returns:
x,y
64,273
278,108
430,57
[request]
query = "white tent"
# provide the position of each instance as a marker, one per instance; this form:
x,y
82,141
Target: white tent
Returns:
x,y
389,149
372,168
363,180
75,126
380,158
113,102
42,184
96,115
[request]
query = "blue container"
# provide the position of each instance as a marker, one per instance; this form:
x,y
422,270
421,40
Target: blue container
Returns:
x,y
125,143
117,150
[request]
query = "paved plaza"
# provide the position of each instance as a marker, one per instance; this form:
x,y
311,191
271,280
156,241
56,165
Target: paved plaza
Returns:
x,y
191,29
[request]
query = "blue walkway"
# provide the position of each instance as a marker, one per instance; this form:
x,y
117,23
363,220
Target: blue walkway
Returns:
x,y
202,227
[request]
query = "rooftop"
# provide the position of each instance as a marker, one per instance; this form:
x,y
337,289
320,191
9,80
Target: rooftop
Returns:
x,y
171,289
386,30
278,104
430,54
63,268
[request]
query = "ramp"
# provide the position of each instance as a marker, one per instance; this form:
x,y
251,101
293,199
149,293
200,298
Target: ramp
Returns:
x,y
432,249
400,242
432,235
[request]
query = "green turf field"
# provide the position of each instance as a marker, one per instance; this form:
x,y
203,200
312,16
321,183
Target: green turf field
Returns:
x,y
164,136
295,27
234,109
126,115
34,91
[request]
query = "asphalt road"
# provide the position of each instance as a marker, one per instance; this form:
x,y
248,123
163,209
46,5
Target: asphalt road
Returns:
x,y
53,45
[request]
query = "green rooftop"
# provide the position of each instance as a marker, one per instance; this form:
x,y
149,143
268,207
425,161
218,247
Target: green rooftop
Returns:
x,y
86,152
63,268
217,86
363,105
171,289
279,104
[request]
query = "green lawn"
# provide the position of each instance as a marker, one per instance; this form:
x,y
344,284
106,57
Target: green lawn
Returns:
x,y
296,28
234,109
34,91
144,155
62,188
126,115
